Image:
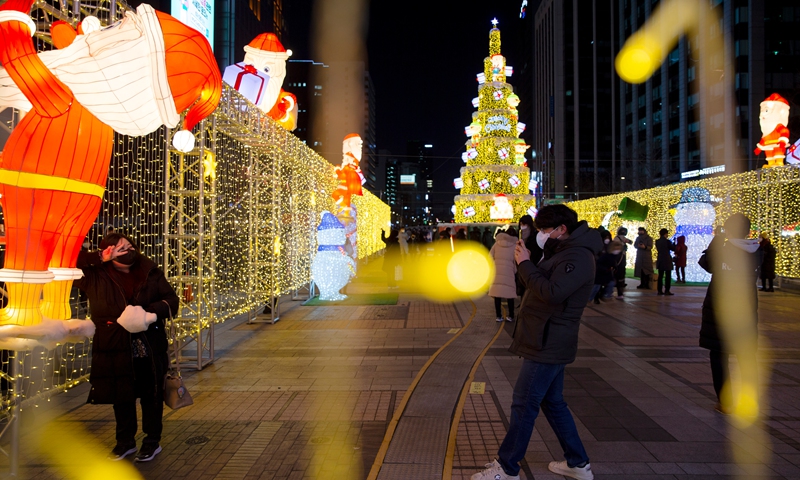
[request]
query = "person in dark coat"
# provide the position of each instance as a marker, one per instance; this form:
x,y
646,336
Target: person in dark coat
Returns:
x,y
680,259
391,258
664,262
644,258
130,301
607,262
768,255
730,309
546,336
486,238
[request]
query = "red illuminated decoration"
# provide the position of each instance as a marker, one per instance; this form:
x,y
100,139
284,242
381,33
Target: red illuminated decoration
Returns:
x,y
349,173
774,117
54,168
260,78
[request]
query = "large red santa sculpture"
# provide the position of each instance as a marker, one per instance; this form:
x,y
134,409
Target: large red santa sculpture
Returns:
x,y
773,118
349,172
132,77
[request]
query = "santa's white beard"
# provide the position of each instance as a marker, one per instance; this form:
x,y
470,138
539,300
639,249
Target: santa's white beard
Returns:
x,y
768,125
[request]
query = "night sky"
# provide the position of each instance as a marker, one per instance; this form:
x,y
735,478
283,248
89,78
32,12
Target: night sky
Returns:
x,y
423,58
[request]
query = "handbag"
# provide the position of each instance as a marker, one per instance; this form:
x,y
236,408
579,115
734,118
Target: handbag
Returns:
x,y
175,393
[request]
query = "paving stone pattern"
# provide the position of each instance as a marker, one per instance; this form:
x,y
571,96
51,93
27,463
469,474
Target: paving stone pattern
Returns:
x,y
311,396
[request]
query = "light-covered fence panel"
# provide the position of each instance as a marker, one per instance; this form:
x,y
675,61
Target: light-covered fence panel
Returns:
x,y
769,197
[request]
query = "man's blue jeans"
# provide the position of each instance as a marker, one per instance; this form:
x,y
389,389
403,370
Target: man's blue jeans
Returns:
x,y
539,385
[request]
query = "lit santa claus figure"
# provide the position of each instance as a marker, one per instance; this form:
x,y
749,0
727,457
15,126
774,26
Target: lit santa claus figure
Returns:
x,y
502,209
349,172
260,79
773,118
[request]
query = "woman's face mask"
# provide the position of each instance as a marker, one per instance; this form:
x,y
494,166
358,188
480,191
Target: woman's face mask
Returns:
x,y
607,241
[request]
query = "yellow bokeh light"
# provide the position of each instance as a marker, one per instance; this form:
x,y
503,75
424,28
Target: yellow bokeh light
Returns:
x,y
635,63
447,276
469,271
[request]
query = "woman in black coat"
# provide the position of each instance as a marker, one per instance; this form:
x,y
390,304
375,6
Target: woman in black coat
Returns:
x,y
129,300
768,255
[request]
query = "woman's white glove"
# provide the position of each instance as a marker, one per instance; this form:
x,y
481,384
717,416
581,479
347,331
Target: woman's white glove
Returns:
x,y
134,319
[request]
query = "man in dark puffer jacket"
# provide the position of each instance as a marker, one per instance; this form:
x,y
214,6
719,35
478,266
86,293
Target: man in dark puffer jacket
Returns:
x,y
126,290
546,336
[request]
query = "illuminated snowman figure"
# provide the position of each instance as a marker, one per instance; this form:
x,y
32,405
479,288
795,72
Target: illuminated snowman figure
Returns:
x,y
694,217
332,268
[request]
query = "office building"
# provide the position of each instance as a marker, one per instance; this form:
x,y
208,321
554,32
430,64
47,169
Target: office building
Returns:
x,y
304,80
391,193
669,126
572,98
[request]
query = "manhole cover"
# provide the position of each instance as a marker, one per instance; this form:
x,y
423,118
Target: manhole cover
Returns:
x,y
320,440
198,440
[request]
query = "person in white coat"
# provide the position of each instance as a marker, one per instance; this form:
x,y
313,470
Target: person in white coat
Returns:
x,y
504,285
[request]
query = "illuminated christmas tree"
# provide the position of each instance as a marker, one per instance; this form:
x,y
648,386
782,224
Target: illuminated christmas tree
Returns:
x,y
495,183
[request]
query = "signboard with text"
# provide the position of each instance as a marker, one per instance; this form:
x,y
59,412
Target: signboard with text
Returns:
x,y
198,14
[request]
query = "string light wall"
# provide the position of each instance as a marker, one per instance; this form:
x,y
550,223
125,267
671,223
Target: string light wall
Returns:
x,y
770,198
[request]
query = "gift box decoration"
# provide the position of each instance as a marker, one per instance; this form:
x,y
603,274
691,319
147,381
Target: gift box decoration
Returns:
x,y
248,81
514,181
469,212
483,184
503,153
458,183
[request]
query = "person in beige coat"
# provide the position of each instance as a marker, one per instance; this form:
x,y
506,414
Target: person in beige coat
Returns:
x,y
504,285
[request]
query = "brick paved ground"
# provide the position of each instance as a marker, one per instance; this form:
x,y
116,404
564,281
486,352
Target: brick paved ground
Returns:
x,y
311,396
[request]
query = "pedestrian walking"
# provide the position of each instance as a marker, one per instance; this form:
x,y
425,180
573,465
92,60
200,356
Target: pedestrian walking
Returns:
x,y
391,258
767,271
730,308
664,247
130,301
644,258
504,285
680,259
546,336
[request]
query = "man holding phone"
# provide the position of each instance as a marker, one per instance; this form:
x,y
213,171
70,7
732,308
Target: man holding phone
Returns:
x,y
546,336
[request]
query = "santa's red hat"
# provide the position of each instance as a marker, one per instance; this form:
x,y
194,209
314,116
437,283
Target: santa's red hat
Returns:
x,y
268,45
776,98
351,135
192,72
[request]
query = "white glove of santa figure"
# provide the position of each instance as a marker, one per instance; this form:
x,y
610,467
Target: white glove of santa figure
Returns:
x,y
134,319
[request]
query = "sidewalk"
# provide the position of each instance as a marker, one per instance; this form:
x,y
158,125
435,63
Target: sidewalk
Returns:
x,y
312,396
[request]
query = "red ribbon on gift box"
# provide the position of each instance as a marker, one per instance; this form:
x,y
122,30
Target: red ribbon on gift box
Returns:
x,y
249,69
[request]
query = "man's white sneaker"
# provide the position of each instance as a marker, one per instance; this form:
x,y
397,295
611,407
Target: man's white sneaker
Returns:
x,y
494,472
509,319
498,319
581,473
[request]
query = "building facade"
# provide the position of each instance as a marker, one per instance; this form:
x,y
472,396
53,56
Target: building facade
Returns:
x,y
572,98
307,84
594,133
672,125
